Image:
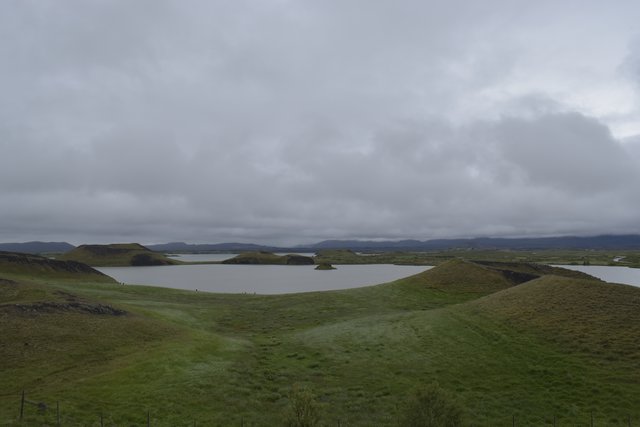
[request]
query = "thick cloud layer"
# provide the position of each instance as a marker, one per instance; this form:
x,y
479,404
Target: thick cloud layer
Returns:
x,y
290,121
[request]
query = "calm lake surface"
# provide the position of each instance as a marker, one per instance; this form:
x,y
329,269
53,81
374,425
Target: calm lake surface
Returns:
x,y
626,275
261,279
279,279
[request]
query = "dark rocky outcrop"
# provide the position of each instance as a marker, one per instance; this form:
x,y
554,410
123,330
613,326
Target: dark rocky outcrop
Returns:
x,y
49,307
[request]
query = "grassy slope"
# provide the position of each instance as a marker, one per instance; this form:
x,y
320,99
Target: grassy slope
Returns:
x,y
115,255
222,358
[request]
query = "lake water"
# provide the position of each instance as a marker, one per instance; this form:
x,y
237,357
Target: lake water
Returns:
x,y
261,279
626,275
279,279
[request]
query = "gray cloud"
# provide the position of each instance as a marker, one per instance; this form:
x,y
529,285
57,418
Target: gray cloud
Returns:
x,y
286,122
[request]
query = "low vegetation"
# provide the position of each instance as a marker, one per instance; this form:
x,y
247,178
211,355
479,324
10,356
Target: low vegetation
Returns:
x,y
430,405
505,343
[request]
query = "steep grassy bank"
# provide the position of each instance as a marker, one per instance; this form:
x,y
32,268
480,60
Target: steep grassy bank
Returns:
x,y
225,359
27,266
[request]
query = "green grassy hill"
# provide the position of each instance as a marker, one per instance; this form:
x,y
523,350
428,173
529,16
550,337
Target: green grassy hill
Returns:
x,y
548,347
116,255
486,277
596,318
38,267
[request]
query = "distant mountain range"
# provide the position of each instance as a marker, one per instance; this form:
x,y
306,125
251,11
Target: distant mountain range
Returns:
x,y
36,247
187,247
631,241
612,242
530,243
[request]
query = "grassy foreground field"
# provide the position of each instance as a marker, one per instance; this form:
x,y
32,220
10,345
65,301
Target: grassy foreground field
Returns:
x,y
508,344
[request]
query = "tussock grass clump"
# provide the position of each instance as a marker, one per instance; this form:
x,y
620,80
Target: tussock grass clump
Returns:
x,y
303,409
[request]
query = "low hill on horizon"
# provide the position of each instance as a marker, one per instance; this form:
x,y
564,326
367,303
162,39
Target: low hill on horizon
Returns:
x,y
117,255
268,258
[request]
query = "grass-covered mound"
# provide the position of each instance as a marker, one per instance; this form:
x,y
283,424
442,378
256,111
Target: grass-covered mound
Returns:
x,y
117,255
593,317
268,258
485,277
358,354
35,266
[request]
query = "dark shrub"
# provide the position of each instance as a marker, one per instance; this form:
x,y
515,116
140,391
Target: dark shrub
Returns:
x,y
303,410
432,406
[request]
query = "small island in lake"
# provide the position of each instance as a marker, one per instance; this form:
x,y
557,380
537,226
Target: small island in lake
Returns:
x,y
269,258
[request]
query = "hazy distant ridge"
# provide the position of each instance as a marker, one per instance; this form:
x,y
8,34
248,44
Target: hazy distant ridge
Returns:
x,y
612,242
565,242
36,247
620,242
186,247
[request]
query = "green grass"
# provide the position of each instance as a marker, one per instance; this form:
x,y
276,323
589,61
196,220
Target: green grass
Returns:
x,y
554,346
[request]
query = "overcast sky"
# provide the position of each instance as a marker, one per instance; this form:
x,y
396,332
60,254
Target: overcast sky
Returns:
x,y
292,121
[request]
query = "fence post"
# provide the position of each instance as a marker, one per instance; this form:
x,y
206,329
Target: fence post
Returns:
x,y
148,418
22,406
101,420
554,421
58,412
513,421
591,418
